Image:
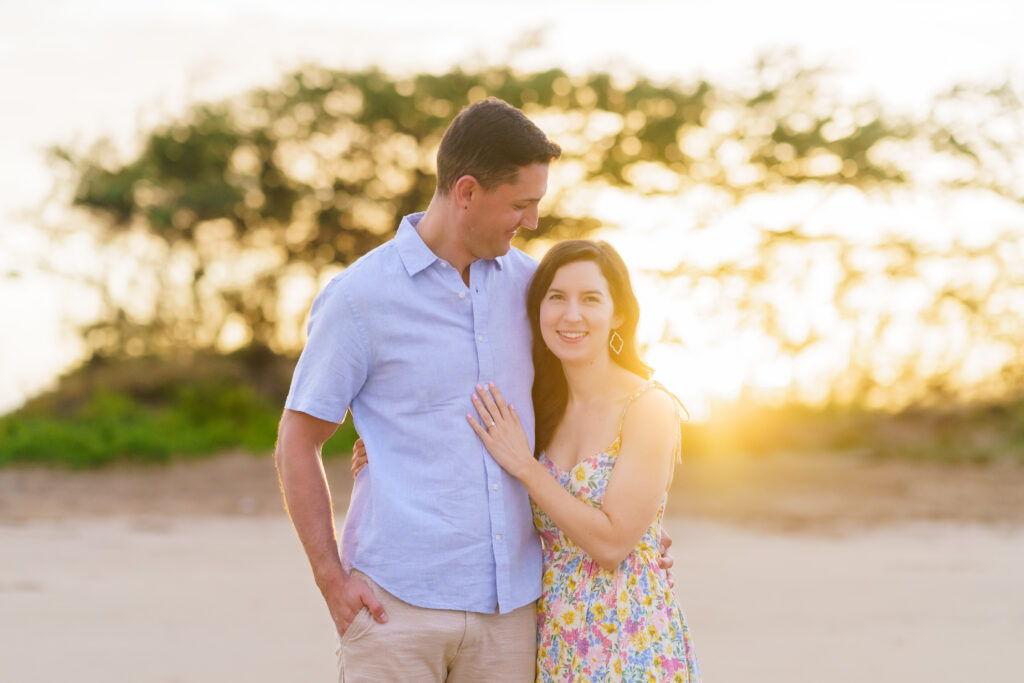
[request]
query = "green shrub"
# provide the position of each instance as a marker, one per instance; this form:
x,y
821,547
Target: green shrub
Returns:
x,y
150,416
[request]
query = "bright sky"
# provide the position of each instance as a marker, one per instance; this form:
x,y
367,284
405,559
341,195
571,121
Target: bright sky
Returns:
x,y
72,70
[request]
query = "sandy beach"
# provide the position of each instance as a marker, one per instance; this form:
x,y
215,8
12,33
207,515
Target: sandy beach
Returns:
x,y
789,568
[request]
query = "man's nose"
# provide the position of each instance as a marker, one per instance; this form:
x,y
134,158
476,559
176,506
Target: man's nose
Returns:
x,y
530,219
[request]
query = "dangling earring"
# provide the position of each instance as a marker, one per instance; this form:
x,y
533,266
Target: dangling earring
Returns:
x,y
615,342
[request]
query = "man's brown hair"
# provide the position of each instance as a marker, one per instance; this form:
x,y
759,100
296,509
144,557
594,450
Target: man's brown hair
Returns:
x,y
490,140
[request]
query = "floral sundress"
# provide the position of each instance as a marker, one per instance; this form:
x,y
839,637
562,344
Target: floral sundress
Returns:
x,y
600,625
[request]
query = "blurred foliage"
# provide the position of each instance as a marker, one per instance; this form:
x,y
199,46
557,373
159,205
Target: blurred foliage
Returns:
x,y
981,432
148,410
218,232
237,199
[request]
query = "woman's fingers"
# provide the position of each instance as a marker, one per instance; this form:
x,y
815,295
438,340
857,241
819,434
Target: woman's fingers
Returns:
x,y
499,400
480,431
359,458
488,400
481,409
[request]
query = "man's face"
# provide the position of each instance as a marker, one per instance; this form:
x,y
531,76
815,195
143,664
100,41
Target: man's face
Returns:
x,y
495,215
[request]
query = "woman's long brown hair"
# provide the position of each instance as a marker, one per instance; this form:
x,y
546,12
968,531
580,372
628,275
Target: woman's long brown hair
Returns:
x,y
550,390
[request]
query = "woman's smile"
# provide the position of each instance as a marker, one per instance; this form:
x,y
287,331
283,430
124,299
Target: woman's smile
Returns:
x,y
572,336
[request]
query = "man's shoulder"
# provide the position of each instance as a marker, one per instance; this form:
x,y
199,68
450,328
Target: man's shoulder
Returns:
x,y
370,269
363,279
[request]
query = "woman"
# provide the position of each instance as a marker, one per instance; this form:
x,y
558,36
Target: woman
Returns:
x,y
607,438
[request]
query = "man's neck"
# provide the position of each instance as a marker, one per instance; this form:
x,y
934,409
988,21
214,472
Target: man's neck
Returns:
x,y
438,231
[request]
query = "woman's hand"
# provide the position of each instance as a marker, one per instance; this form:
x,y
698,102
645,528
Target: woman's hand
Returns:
x,y
502,433
665,560
359,459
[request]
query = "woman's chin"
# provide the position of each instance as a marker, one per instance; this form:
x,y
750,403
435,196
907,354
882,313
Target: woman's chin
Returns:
x,y
575,357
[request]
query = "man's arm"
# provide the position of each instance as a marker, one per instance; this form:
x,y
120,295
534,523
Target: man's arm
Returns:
x,y
308,500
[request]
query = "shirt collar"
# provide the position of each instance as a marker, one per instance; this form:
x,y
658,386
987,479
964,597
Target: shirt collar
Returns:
x,y
415,253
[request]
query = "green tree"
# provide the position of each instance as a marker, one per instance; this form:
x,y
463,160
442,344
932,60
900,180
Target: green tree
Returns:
x,y
239,202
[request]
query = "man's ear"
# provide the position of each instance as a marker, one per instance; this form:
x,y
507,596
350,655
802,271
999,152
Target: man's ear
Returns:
x,y
465,190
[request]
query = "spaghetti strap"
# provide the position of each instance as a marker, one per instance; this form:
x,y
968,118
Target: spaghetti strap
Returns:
x,y
679,404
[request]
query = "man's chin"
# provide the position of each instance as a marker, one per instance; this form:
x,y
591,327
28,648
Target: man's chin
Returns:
x,y
503,249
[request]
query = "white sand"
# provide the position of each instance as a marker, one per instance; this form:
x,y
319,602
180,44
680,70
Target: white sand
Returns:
x,y
190,599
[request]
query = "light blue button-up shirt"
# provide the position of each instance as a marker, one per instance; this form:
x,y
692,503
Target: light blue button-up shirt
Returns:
x,y
400,339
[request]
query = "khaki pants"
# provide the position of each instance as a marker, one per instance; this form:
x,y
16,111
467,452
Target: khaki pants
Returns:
x,y
420,644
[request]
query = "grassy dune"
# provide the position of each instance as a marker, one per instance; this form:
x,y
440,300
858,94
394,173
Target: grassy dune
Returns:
x,y
150,410
153,410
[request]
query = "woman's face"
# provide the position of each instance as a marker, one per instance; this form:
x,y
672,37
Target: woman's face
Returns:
x,y
577,314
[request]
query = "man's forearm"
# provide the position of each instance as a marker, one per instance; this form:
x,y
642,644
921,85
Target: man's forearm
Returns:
x,y
308,500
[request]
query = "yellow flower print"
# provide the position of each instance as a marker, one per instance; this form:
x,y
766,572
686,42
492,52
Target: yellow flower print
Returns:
x,y
580,476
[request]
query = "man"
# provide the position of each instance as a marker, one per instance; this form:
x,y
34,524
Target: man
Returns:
x,y
440,565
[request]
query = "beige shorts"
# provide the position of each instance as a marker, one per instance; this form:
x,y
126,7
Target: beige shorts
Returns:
x,y
421,644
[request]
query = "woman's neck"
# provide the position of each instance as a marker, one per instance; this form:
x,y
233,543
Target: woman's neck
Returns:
x,y
595,382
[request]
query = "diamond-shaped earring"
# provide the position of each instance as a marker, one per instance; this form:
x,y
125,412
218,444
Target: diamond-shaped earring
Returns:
x,y
615,342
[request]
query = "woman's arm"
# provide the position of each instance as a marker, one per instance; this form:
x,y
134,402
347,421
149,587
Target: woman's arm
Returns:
x,y
635,488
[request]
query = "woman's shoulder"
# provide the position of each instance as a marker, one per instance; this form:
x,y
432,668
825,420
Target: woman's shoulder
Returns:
x,y
651,424
647,405
651,406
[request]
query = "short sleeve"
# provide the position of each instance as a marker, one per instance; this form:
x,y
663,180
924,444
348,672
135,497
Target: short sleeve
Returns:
x,y
335,361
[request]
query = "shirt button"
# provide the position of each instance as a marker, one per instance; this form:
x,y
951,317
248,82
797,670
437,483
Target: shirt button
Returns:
x,y
462,295
479,337
443,264
497,537
494,487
